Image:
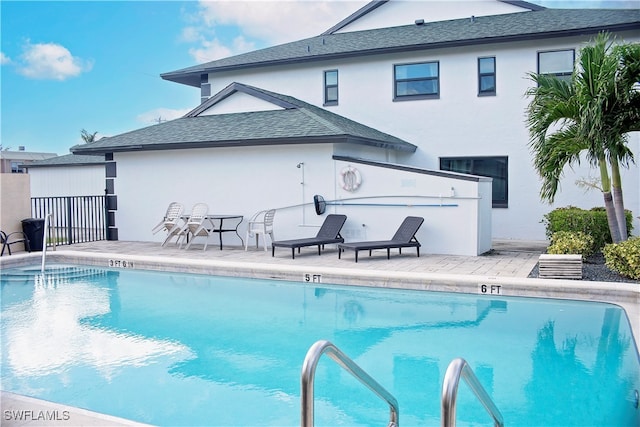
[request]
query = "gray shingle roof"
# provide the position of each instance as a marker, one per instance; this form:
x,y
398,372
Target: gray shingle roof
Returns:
x,y
68,160
302,123
528,25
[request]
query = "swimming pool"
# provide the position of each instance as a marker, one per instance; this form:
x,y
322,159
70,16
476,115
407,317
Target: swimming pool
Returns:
x,y
180,349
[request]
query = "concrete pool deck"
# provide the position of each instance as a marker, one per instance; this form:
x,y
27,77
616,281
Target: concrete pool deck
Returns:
x,y
503,272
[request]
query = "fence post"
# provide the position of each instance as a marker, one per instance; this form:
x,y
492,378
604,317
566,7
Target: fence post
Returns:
x,y
69,220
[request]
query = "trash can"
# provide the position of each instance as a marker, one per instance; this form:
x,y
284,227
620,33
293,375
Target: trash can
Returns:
x,y
33,228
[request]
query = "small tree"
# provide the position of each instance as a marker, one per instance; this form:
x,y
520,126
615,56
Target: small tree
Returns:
x,y
88,137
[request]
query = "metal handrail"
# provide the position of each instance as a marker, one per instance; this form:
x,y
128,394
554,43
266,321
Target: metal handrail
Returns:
x,y
308,374
460,368
45,236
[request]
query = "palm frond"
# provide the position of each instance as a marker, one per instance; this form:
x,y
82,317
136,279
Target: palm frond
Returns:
x,y
590,114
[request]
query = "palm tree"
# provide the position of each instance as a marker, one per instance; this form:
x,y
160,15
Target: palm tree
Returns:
x,y
621,115
88,137
588,116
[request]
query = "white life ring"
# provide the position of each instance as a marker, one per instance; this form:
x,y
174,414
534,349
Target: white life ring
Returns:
x,y
350,179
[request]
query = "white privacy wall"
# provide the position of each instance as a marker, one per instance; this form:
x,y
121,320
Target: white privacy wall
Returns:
x,y
67,181
457,124
457,212
246,180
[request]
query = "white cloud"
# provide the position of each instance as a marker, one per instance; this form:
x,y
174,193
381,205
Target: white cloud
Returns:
x,y
50,61
270,22
160,115
210,50
4,59
190,35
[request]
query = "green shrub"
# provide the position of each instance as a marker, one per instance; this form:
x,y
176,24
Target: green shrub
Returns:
x,y
570,242
592,222
624,257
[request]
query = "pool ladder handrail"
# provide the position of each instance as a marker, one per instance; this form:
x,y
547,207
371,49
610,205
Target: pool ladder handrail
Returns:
x,y
459,368
45,232
308,374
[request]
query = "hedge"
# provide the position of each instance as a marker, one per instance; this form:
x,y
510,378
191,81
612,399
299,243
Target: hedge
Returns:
x,y
592,222
624,257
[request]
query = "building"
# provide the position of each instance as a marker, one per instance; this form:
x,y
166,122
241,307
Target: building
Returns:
x,y
15,161
68,175
427,102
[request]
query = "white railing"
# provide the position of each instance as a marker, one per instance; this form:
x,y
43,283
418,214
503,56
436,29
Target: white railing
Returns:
x,y
47,221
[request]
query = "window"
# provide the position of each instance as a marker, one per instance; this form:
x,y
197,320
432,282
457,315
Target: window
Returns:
x,y
558,63
16,167
487,76
205,88
493,167
417,81
331,87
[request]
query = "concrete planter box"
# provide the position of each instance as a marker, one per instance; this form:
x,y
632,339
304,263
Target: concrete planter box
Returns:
x,y
552,266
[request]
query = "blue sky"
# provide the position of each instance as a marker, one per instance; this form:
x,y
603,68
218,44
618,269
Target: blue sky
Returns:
x,y
95,65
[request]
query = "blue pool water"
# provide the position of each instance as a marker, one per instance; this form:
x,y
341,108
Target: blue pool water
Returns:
x,y
173,349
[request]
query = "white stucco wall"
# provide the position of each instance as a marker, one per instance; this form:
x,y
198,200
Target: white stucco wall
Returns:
x,y
395,13
239,103
459,123
231,181
67,181
248,179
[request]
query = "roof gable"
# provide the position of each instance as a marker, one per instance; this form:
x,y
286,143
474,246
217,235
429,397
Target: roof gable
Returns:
x,y
254,100
393,13
296,122
538,24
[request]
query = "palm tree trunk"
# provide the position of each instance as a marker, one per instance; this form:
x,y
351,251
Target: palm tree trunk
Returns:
x,y
618,200
608,201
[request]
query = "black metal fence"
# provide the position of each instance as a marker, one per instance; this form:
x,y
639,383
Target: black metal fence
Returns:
x,y
75,219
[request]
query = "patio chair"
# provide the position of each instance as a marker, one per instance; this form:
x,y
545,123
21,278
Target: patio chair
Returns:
x,y
260,223
405,237
328,233
11,239
172,222
196,226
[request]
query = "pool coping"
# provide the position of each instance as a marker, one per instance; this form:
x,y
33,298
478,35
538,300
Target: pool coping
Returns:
x,y
623,294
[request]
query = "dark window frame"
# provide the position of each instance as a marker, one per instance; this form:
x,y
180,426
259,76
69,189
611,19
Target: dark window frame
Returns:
x,y
396,81
17,167
497,202
564,75
328,101
491,92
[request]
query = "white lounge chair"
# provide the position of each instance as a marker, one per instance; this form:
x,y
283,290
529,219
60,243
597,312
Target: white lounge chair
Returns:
x,y
196,226
171,223
260,223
